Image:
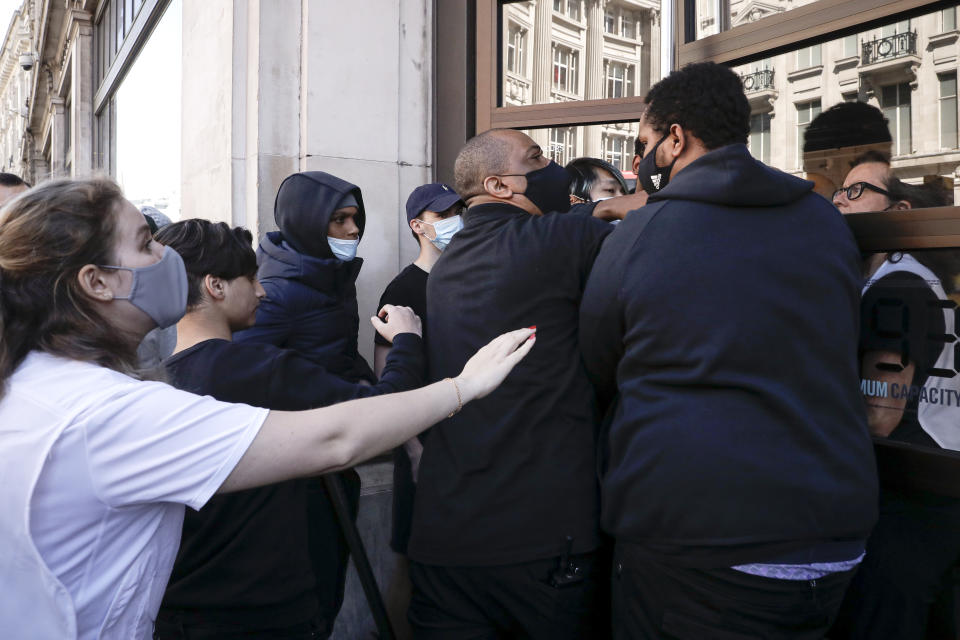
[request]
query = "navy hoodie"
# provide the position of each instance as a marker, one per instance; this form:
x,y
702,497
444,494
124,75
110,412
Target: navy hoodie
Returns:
x,y
728,327
311,303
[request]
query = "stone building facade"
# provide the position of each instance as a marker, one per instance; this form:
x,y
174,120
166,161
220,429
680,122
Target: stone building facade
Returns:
x,y
46,121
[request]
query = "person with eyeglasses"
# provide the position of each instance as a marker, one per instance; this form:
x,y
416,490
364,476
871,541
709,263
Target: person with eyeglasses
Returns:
x,y
916,542
867,186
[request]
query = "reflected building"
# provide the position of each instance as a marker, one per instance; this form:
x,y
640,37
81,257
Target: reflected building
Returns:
x,y
567,50
908,69
15,84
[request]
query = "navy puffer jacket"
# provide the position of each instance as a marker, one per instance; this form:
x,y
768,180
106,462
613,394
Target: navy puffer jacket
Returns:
x,y
311,303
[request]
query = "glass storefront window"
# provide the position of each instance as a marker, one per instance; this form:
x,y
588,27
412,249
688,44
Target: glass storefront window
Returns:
x,y
563,50
148,120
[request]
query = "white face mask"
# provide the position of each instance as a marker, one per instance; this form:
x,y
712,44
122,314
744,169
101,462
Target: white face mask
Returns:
x,y
345,250
445,230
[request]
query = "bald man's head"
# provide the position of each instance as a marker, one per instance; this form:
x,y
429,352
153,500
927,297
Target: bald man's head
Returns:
x,y
487,154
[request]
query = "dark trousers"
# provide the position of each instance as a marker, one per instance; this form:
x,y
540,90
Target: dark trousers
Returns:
x,y
509,601
653,600
910,555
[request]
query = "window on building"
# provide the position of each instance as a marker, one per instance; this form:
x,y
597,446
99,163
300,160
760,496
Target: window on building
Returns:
x,y
618,151
808,57
628,25
146,113
948,19
564,69
948,110
806,112
619,80
563,145
903,26
515,49
895,104
760,137
609,22
850,46
707,17
569,8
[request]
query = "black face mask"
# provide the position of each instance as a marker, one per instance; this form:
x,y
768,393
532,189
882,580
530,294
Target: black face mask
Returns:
x,y
548,188
650,176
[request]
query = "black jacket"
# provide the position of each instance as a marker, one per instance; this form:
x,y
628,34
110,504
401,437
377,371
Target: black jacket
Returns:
x,y
247,557
729,328
311,303
510,477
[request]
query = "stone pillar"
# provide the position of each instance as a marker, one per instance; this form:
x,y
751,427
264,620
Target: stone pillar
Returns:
x,y
594,74
649,72
82,125
542,62
58,135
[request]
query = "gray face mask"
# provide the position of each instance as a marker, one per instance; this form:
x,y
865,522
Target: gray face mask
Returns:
x,y
160,290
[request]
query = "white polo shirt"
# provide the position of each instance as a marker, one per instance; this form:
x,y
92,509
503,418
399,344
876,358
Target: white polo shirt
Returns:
x,y
95,470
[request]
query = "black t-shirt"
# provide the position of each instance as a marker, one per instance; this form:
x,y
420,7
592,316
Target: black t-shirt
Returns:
x,y
408,289
901,314
513,475
244,558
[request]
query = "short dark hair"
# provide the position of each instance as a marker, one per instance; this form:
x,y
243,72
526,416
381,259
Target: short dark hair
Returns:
x,y
846,124
705,99
584,173
11,180
209,248
870,156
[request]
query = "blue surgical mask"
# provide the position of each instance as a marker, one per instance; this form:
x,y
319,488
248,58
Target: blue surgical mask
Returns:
x,y
345,250
445,230
159,290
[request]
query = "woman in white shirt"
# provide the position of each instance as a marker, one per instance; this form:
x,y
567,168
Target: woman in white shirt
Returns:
x,y
96,465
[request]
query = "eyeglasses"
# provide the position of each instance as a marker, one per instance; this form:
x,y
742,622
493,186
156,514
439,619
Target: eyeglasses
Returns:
x,y
855,190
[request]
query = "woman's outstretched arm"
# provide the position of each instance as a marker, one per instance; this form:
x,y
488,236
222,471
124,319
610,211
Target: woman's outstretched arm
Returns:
x,y
291,444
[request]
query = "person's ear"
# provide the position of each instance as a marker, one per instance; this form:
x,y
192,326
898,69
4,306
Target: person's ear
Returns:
x,y
94,284
495,186
901,205
214,287
636,164
677,142
416,225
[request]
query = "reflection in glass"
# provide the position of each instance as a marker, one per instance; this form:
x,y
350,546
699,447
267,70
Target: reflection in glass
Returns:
x,y
909,348
562,50
612,142
907,69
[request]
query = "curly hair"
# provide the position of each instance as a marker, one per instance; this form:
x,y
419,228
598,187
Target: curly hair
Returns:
x,y
705,99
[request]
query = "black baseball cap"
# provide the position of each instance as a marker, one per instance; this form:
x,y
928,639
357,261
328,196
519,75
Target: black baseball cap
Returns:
x,y
435,196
